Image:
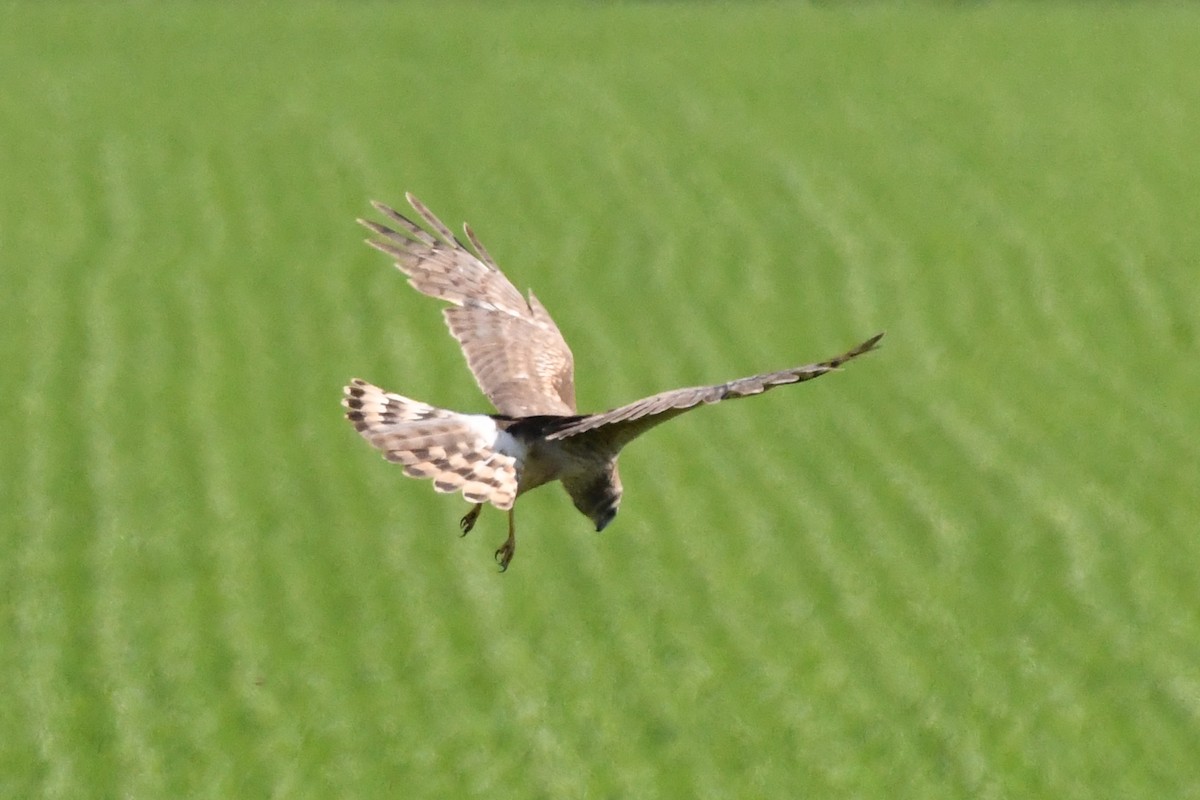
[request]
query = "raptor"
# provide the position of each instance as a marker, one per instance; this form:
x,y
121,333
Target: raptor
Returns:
x,y
525,368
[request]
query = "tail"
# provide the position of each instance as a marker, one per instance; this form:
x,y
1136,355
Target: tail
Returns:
x,y
460,452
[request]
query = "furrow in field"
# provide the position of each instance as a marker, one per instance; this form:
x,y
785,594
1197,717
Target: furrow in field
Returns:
x,y
702,539
854,229
1110,580
701,340
660,626
49,689
203,654
403,640
118,540
520,683
446,668
735,525
878,591
716,649
1050,300
396,642
966,294
1090,585
243,619
790,646
1143,397
1152,316
333,648
858,228
923,553
1066,319
903,571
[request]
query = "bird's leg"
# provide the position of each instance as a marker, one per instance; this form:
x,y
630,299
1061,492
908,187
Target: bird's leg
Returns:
x,y
468,520
505,552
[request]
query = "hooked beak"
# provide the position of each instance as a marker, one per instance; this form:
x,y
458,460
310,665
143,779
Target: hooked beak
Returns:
x,y
606,519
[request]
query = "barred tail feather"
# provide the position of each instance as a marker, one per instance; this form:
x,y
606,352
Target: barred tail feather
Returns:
x,y
457,451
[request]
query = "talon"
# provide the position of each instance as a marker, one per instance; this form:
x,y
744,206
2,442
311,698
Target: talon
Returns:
x,y
504,553
468,520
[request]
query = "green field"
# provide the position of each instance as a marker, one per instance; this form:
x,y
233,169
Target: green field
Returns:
x,y
968,566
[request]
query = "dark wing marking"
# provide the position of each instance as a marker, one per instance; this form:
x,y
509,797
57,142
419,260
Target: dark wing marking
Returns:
x,y
616,428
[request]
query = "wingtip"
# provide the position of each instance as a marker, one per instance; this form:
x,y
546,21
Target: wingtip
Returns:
x,y
867,346
387,211
417,205
375,227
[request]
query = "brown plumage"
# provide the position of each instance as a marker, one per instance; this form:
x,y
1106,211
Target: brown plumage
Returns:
x,y
434,443
512,345
523,365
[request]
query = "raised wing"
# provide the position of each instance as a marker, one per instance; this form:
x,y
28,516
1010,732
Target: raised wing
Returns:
x,y
614,429
512,346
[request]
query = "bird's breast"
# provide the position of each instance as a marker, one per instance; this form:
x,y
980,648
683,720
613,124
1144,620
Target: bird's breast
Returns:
x,y
547,461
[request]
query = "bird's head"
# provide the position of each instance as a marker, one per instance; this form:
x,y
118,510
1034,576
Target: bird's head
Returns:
x,y
598,496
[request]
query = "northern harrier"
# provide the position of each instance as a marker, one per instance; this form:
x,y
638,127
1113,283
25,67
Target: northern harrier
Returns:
x,y
522,364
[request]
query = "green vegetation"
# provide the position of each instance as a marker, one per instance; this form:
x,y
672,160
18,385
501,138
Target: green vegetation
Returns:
x,y
966,566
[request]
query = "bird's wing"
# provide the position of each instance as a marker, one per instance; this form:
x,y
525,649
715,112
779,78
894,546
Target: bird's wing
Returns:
x,y
512,346
460,452
613,429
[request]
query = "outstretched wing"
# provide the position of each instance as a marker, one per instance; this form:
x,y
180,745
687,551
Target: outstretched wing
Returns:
x,y
614,429
460,452
513,347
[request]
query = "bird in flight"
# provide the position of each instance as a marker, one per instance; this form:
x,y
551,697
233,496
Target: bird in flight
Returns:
x,y
524,367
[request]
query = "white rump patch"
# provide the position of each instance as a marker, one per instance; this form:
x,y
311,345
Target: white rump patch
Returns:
x,y
499,441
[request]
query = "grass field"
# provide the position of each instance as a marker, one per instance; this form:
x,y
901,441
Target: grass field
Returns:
x,y
966,566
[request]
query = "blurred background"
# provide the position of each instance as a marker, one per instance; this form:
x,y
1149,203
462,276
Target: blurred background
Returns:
x,y
966,566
